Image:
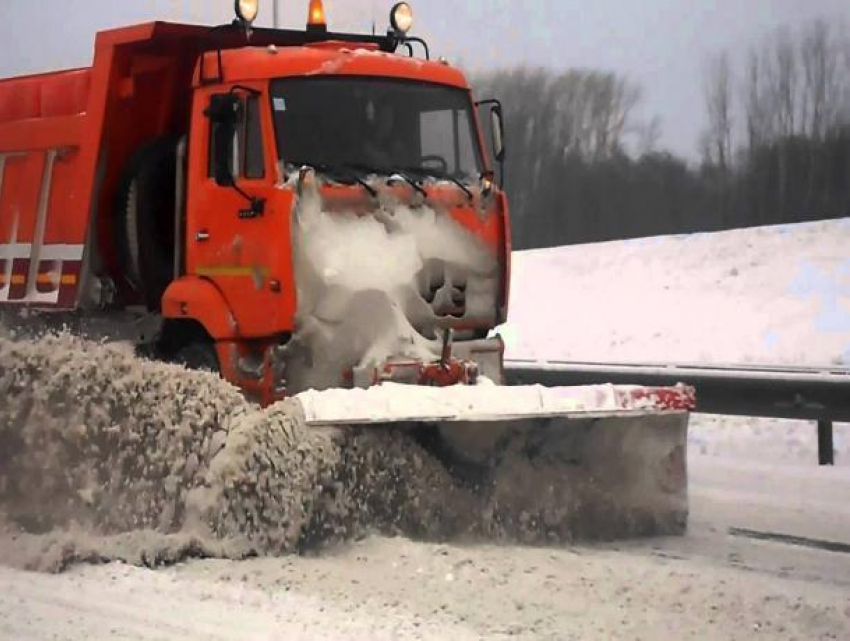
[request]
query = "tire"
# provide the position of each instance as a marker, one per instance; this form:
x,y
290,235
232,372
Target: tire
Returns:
x,y
143,229
198,356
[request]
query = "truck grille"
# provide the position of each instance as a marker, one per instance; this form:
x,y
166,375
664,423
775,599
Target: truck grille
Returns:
x,y
444,292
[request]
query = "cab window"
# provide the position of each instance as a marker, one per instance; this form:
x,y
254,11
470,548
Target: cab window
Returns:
x,y
248,160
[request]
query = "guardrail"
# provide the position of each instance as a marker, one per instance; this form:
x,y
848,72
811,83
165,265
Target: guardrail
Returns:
x,y
820,394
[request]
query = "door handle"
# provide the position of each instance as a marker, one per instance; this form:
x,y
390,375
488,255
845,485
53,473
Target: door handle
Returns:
x,y
202,236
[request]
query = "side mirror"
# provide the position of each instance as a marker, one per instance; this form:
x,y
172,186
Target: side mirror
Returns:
x,y
497,126
225,111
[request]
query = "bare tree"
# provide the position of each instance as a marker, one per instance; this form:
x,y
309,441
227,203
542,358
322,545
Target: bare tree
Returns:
x,y
718,100
782,77
845,75
784,83
759,119
647,134
820,60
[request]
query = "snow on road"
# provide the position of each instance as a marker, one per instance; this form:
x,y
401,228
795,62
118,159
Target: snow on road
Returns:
x,y
706,585
775,295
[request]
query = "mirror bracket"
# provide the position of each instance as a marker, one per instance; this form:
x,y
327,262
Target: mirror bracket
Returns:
x,y
256,209
497,127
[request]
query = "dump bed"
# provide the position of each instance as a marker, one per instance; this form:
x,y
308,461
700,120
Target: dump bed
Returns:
x,y
64,140
43,196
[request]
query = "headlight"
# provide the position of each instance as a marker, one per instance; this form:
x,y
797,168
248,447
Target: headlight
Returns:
x,y
247,10
401,17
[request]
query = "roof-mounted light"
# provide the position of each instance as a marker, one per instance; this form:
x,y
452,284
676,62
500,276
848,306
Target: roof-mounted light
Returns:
x,y
247,10
316,16
401,17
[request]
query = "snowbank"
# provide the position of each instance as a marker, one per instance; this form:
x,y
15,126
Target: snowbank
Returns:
x,y
773,295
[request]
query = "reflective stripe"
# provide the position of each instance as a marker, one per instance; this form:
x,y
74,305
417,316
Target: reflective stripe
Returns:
x,y
48,252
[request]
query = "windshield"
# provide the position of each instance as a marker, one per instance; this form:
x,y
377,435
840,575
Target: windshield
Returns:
x,y
376,124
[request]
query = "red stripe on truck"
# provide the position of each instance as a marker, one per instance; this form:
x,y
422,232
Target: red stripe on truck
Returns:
x,y
18,285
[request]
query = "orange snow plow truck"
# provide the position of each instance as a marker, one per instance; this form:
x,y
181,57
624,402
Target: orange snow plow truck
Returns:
x,y
315,215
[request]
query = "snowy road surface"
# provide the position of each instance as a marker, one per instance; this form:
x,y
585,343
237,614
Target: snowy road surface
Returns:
x,y
707,585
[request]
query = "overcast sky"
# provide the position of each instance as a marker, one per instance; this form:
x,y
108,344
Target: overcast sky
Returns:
x,y
660,44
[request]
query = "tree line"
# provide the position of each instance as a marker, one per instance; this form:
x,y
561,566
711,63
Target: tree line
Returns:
x,y
583,167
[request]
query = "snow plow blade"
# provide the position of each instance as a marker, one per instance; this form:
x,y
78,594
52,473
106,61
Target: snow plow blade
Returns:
x,y
554,464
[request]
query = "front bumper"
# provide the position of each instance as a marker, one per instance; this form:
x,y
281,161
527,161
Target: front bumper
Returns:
x,y
466,363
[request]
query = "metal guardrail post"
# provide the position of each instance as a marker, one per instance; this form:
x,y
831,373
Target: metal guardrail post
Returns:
x,y
826,444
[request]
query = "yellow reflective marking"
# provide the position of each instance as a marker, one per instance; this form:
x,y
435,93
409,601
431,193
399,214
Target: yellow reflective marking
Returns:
x,y
232,271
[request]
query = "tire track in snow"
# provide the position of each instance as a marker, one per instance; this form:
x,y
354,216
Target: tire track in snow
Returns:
x,y
78,602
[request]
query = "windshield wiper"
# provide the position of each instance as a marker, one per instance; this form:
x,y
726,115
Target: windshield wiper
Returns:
x,y
390,172
340,171
410,181
436,173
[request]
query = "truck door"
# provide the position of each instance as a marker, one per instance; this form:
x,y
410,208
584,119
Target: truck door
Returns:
x,y
233,231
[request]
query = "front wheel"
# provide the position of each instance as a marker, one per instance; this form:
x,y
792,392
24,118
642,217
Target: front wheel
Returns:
x,y
198,356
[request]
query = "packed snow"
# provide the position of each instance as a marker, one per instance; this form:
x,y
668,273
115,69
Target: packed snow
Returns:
x,y
482,402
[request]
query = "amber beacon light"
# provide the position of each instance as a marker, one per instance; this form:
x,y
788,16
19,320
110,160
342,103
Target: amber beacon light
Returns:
x,y
316,16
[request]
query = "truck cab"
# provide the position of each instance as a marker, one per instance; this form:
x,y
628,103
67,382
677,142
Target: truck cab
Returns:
x,y
195,159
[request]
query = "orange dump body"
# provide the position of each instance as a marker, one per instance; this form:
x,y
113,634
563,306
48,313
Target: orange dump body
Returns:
x,y
66,138
42,126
